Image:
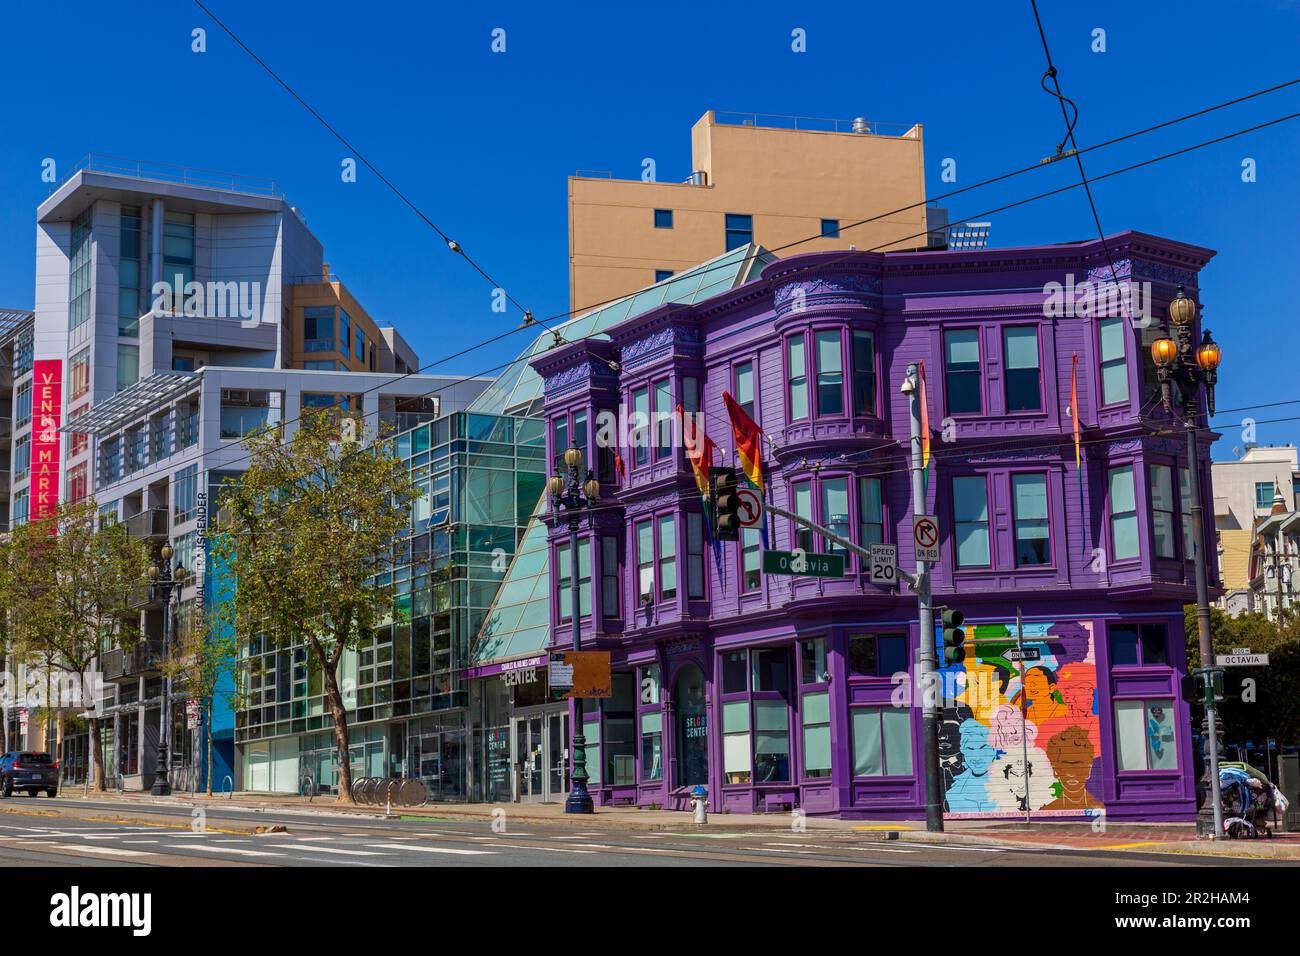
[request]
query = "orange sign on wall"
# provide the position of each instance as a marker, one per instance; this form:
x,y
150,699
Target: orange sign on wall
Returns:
x,y
47,417
591,677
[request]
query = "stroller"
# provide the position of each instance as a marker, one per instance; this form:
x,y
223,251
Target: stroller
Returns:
x,y
1250,801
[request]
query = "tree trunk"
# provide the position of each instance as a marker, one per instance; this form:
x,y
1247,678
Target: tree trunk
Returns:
x,y
340,716
97,755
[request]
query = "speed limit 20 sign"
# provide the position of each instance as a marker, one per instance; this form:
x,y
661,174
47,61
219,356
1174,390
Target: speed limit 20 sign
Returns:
x,y
884,565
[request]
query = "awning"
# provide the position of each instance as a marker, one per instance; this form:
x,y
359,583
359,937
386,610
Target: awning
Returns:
x,y
132,402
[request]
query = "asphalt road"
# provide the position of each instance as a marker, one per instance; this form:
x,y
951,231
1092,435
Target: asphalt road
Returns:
x,y
43,832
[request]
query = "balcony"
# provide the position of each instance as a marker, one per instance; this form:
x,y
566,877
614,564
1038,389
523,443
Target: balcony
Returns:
x,y
148,525
126,662
142,597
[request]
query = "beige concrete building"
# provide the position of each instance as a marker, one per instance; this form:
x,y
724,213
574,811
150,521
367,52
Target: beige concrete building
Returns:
x,y
1251,496
771,180
1244,489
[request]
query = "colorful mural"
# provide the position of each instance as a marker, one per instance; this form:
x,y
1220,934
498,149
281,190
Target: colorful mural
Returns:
x,y
1014,734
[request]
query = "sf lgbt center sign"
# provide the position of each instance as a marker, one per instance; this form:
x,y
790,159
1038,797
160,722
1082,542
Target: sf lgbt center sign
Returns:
x,y
47,416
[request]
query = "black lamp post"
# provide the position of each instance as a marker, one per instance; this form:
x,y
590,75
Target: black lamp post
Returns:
x,y
163,582
1191,368
574,496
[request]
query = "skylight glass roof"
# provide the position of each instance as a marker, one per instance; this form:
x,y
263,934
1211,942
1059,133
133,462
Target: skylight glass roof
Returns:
x,y
518,622
519,388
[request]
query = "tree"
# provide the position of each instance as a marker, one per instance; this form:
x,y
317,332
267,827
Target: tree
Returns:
x,y
1271,708
204,660
66,584
305,538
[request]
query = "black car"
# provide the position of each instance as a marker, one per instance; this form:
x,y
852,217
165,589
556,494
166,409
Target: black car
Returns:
x,y
33,772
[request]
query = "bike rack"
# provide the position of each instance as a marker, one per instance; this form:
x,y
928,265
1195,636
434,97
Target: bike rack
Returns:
x,y
230,794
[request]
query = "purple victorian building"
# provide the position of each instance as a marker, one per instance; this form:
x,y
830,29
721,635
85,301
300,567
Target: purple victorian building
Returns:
x,y
795,692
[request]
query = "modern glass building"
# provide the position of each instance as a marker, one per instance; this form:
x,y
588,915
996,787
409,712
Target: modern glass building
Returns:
x,y
481,477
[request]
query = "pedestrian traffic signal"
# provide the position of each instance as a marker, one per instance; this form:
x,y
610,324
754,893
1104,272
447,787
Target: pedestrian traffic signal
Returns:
x,y
1215,686
954,637
726,504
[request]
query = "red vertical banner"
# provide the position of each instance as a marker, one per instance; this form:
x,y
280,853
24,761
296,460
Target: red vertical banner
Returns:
x,y
47,417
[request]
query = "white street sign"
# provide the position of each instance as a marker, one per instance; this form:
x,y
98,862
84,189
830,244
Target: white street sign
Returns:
x,y
884,564
925,532
1241,660
749,508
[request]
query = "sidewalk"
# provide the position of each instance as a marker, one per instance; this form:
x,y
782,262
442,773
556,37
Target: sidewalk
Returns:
x,y
1046,834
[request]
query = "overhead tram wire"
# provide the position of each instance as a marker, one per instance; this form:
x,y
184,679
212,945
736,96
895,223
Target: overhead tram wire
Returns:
x,y
1164,124
1074,146
452,244
1012,205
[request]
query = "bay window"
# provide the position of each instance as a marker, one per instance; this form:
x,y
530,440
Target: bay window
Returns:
x,y
864,373
1123,514
797,369
667,557
803,537
961,364
745,387
835,510
751,557
641,425
970,506
830,373
871,513
1114,369
563,567
1024,391
645,562
663,410
1029,515
694,554
1162,511
1185,506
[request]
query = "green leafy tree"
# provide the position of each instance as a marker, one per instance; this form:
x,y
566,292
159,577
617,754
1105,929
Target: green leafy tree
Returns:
x,y
305,537
1271,708
204,660
66,584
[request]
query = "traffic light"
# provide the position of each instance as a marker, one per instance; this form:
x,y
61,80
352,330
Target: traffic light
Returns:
x,y
954,637
726,503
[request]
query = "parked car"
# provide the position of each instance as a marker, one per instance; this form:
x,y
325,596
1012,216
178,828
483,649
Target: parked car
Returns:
x,y
25,770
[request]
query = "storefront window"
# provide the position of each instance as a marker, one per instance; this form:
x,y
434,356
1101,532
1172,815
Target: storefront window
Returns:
x,y
652,740
816,734
735,665
591,731
770,670
1145,737
882,742
692,727
737,764
812,661
877,655
771,741
650,684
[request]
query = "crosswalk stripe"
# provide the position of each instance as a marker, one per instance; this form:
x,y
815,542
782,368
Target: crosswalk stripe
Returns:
x,y
108,850
325,849
536,846
212,848
428,849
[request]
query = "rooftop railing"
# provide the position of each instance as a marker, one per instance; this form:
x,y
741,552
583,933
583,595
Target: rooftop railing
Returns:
x,y
170,173
811,123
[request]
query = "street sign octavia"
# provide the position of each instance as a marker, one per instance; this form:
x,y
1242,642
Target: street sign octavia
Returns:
x,y
884,564
1236,659
925,532
803,564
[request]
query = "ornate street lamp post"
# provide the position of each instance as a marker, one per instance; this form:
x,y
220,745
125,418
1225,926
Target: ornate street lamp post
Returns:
x,y
163,582
1179,363
574,496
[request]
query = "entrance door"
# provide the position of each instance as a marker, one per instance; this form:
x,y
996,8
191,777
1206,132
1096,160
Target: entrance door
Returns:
x,y
529,748
557,749
542,756
692,727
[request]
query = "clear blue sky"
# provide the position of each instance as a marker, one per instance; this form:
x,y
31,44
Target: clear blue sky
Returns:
x,y
482,142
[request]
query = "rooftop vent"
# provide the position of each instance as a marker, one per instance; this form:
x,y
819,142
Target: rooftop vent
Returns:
x,y
860,125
